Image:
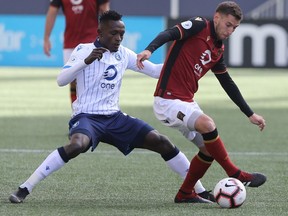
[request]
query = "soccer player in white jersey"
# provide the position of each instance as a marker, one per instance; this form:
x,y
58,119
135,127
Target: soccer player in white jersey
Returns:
x,y
98,68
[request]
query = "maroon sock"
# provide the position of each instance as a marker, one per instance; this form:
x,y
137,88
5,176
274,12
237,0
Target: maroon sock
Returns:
x,y
198,166
217,150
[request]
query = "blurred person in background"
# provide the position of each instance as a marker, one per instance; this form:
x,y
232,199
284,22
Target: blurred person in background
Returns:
x,y
81,23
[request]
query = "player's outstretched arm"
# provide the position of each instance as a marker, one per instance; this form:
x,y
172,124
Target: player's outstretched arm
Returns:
x,y
144,55
49,24
258,120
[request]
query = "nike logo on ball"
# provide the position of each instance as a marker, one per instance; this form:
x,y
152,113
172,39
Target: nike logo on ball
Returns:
x,y
226,185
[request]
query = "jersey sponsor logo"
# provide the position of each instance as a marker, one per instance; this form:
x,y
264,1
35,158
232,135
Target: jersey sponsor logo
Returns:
x,y
77,6
187,24
109,74
205,58
76,2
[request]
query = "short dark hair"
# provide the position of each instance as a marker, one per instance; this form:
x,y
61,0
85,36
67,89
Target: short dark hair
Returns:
x,y
110,15
230,8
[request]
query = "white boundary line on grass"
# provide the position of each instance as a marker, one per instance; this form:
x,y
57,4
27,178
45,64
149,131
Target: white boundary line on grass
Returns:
x,y
141,152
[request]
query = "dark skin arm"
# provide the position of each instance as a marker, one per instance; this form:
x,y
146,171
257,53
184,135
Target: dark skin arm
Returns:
x,y
97,53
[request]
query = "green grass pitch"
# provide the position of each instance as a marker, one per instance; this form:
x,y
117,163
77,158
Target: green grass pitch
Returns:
x,y
34,115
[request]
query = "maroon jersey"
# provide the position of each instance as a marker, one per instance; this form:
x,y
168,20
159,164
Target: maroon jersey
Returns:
x,y
81,17
190,57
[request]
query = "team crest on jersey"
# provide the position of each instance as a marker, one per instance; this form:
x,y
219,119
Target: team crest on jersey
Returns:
x,y
117,56
186,24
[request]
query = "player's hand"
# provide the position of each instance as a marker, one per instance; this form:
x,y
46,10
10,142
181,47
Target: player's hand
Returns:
x,y
144,55
97,53
47,47
258,120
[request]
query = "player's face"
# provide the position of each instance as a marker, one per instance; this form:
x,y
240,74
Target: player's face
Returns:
x,y
225,25
111,35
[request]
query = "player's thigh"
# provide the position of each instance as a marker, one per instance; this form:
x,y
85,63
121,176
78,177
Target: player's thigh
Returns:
x,y
126,132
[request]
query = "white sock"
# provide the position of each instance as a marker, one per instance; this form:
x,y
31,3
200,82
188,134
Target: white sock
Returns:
x,y
180,164
51,164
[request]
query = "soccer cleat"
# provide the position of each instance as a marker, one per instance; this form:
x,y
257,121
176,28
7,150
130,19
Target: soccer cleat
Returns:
x,y
182,197
19,195
207,195
251,179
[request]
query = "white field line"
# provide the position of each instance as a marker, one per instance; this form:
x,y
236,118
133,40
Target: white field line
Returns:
x,y
137,151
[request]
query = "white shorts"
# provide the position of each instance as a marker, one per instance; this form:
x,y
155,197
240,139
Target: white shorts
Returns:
x,y
176,113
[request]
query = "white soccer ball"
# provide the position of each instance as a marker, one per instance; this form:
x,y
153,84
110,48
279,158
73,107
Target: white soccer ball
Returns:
x,y
229,193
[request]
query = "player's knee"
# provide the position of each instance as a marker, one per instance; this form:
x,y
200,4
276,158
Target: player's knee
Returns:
x,y
78,144
205,124
158,143
153,138
204,151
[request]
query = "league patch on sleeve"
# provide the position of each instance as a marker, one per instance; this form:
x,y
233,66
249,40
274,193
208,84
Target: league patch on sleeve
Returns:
x,y
187,24
199,19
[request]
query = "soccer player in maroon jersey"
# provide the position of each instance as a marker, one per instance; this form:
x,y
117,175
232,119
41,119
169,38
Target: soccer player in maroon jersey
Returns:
x,y
197,48
81,18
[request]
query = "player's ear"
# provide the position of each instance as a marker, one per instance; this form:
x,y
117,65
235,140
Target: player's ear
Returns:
x,y
216,17
99,32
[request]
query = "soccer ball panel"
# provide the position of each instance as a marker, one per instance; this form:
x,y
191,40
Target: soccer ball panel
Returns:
x,y
230,193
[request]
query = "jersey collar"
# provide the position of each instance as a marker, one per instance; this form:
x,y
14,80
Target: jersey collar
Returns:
x,y
97,43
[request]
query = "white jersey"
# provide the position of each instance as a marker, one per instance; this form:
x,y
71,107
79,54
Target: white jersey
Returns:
x,y
98,84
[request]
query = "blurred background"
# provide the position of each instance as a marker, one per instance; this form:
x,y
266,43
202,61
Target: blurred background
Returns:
x,y
260,41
